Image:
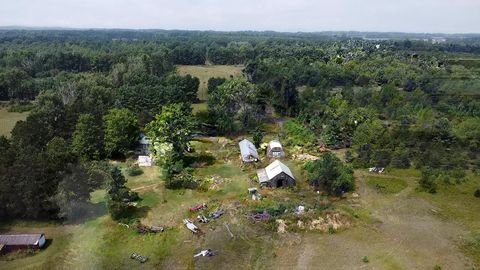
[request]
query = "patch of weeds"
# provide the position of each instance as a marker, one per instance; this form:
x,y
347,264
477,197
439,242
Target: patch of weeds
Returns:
x,y
331,230
149,199
477,193
365,259
134,170
386,185
437,267
472,247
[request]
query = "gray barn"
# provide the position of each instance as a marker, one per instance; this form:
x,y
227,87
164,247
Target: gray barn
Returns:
x,y
11,242
276,175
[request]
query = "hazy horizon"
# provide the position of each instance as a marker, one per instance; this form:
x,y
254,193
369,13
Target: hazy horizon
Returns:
x,y
428,16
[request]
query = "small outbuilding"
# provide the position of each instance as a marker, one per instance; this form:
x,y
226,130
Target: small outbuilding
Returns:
x,y
12,242
275,149
143,148
248,151
276,175
145,161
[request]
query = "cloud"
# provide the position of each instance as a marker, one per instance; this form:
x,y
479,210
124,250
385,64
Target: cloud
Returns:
x,y
280,15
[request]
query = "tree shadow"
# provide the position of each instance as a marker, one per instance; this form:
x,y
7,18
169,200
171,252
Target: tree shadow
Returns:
x,y
86,211
200,160
141,212
48,242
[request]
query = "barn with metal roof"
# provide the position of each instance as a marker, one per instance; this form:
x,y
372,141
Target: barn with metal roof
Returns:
x,y
276,175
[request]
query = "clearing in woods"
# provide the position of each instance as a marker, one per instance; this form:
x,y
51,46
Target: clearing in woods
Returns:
x,y
203,73
8,120
401,229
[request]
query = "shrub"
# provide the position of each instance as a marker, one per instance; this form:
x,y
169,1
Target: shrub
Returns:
x,y
349,156
181,180
297,134
365,259
428,182
134,170
477,193
257,137
331,174
400,159
119,210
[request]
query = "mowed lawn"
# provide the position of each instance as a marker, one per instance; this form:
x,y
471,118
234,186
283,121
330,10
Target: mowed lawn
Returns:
x,y
203,73
8,120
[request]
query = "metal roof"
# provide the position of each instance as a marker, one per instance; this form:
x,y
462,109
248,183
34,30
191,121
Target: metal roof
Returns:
x,y
274,144
20,239
144,139
247,149
277,167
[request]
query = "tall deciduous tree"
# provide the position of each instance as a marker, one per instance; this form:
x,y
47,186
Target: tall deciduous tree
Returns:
x,y
88,138
171,129
121,131
235,101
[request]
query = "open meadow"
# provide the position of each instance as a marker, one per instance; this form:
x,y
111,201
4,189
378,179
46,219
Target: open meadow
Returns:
x,y
203,73
8,120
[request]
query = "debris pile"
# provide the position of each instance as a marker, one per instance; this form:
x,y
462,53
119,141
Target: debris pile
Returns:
x,y
258,217
202,219
335,221
376,169
282,227
138,257
217,214
304,157
205,253
256,196
142,229
198,207
192,227
300,210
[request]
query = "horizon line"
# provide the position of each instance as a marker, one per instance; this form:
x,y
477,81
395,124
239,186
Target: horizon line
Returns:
x,y
36,28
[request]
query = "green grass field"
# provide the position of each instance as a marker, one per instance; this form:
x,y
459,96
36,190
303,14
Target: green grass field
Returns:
x,y
8,120
203,73
386,184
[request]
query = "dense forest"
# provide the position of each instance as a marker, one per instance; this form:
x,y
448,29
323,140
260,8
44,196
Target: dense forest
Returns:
x,y
399,101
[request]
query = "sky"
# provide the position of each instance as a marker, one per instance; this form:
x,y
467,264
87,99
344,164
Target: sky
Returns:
x,y
420,16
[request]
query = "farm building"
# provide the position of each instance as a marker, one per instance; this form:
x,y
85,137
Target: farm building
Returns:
x,y
276,175
11,242
275,149
143,148
248,151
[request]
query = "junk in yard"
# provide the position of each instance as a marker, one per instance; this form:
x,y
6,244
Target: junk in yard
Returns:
x,y
205,253
228,229
300,210
258,217
217,214
376,169
198,207
282,227
256,196
192,227
138,257
142,229
202,219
